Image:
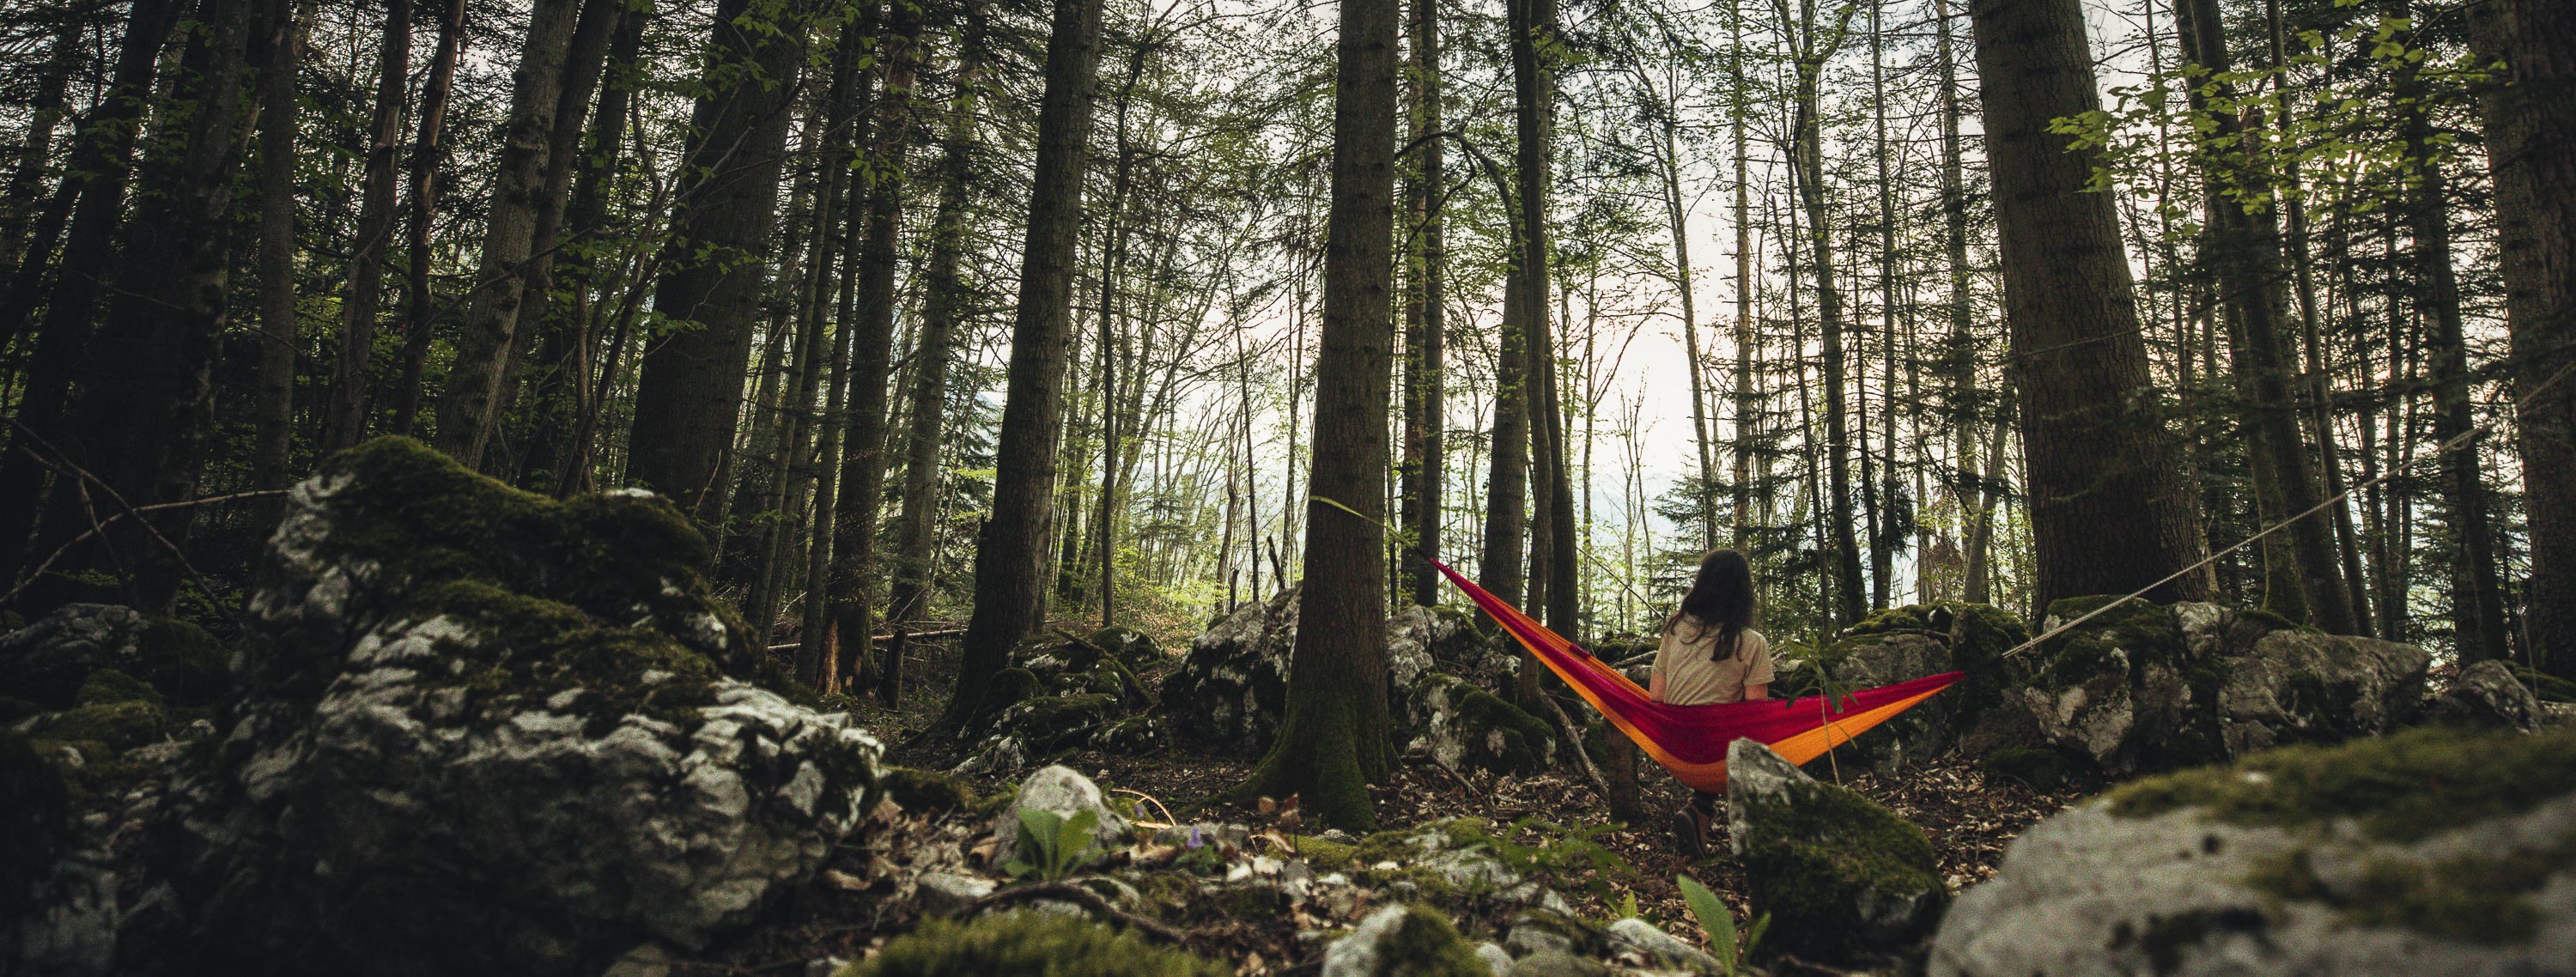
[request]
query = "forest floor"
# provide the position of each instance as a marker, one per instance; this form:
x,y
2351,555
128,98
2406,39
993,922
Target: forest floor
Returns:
x,y
1968,818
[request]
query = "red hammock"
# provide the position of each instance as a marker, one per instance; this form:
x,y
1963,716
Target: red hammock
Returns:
x,y
1691,741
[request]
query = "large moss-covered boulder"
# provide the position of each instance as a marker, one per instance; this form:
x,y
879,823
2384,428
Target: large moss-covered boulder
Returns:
x,y
480,730
1062,693
2146,687
2434,851
1840,876
1460,725
1231,691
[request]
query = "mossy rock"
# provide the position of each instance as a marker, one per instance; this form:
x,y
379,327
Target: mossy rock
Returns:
x,y
1839,875
121,725
49,661
34,823
2544,686
1028,944
1462,725
926,790
109,685
1404,941
2399,788
1129,647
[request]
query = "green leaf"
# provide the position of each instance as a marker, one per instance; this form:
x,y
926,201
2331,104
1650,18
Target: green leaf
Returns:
x,y
1713,918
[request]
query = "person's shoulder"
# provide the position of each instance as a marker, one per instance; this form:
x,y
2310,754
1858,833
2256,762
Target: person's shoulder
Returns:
x,y
1755,638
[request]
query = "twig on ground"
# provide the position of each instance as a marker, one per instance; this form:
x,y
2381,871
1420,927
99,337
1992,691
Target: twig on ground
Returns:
x,y
1574,742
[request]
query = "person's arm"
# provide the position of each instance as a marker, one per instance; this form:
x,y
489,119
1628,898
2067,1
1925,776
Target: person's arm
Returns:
x,y
1760,691
1655,684
1757,676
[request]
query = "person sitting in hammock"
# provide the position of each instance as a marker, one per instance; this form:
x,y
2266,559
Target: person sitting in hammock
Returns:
x,y
1710,653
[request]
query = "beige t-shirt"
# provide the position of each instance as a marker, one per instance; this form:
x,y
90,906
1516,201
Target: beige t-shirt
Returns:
x,y
1691,679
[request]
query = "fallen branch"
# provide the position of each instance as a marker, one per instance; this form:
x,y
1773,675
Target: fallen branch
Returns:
x,y
1087,899
1574,742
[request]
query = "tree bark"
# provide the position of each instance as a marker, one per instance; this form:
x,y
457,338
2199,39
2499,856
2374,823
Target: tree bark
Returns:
x,y
863,451
689,396
2246,249
2107,513
345,417
428,151
943,307
1333,741
2531,149
1010,553
273,410
1427,381
103,165
489,322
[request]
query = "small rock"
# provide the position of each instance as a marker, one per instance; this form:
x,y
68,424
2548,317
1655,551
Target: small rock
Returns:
x,y
1495,959
1661,948
824,966
1061,791
944,893
1403,941
1557,963
650,959
2485,696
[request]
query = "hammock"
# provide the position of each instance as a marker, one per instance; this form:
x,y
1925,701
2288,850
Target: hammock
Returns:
x,y
1691,741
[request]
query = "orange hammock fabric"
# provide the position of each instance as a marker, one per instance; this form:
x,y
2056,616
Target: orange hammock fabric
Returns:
x,y
1691,741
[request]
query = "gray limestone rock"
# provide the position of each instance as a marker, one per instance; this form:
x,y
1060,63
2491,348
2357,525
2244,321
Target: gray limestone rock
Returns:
x,y
2302,878
1657,947
2486,696
1841,877
1061,791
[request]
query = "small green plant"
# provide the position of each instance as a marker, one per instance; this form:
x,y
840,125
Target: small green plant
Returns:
x,y
1057,842
1724,943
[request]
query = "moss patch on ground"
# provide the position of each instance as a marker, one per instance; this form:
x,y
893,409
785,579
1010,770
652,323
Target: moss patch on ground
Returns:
x,y
2400,788
1028,944
1424,944
926,790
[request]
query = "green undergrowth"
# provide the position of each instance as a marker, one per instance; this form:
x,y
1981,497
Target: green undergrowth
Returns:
x,y
2403,787
1028,944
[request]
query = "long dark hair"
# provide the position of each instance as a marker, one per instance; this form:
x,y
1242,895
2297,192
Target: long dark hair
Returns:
x,y
1721,597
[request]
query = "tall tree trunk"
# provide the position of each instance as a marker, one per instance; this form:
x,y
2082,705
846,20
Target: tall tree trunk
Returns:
x,y
1807,155
102,165
689,396
1427,383
2107,511
2531,148
428,151
561,395
1334,740
488,324
1746,402
1010,552
944,301
863,451
274,403
2247,254
44,115
1959,348
345,418
145,402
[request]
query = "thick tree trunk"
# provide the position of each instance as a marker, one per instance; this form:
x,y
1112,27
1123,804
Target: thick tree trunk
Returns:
x,y
345,417
1333,741
2107,511
2531,148
1807,152
689,396
1010,553
102,165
